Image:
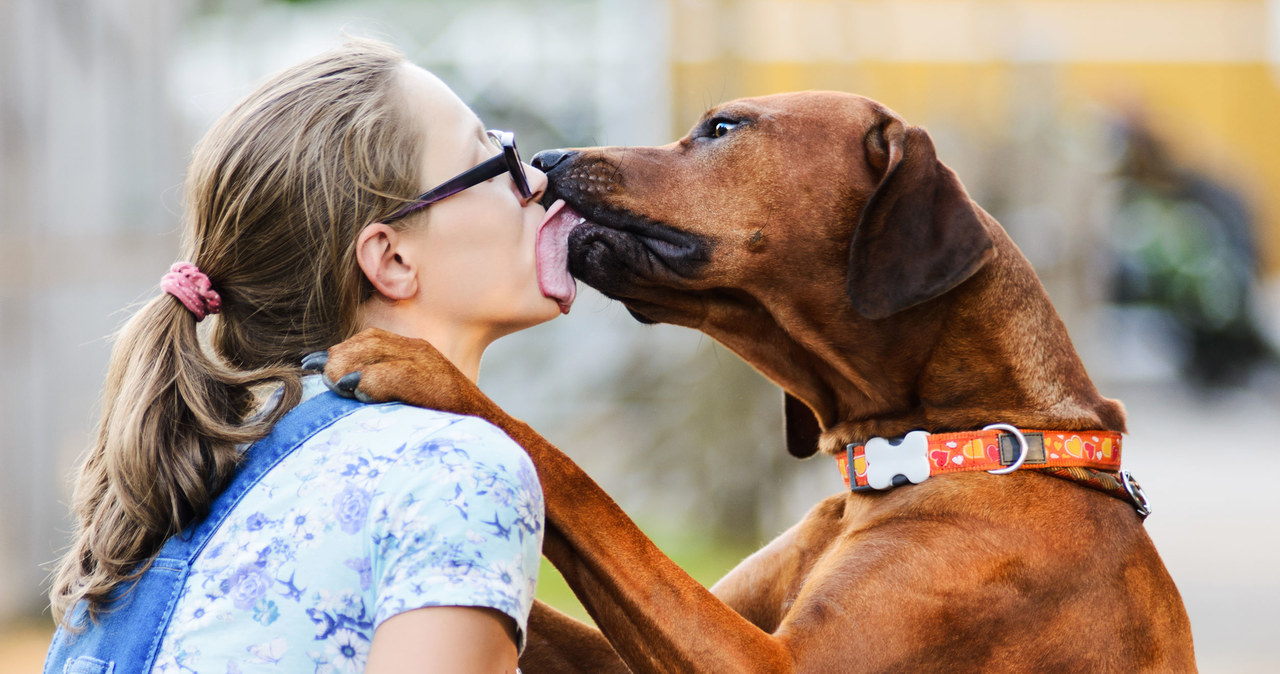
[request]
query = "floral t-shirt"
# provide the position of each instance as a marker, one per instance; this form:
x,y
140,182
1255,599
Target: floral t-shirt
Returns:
x,y
389,509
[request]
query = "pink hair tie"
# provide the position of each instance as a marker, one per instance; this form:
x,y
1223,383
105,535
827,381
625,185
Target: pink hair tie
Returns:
x,y
187,283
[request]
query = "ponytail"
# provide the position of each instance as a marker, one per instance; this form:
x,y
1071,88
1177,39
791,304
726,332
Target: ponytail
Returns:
x,y
276,194
172,420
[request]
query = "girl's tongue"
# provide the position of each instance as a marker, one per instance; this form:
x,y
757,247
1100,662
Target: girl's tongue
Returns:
x,y
552,250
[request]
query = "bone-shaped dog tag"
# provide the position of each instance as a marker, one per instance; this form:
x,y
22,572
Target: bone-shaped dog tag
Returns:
x,y
909,458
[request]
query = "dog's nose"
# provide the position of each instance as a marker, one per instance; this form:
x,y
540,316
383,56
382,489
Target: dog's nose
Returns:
x,y
547,159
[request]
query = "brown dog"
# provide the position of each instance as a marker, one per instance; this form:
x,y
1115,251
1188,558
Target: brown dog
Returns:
x,y
818,236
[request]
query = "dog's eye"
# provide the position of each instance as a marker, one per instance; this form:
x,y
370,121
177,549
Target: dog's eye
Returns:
x,y
722,128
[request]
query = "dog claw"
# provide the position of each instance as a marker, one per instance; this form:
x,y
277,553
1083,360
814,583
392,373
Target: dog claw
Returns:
x,y
349,382
315,362
346,386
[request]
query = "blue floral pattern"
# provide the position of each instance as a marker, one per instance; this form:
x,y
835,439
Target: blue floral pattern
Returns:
x,y
390,509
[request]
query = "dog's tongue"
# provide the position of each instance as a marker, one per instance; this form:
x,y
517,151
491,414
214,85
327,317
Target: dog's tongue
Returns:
x,y
552,249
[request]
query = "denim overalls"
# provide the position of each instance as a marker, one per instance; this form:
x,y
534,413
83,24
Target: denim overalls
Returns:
x,y
127,636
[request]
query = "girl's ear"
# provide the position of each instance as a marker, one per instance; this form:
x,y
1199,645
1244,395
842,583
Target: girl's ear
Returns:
x,y
381,254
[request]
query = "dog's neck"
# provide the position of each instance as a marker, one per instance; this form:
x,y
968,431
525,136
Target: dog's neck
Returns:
x,y
971,357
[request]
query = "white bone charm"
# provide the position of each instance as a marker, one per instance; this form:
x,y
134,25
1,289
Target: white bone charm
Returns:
x,y
909,458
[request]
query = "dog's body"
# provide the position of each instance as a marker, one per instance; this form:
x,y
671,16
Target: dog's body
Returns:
x,y
818,237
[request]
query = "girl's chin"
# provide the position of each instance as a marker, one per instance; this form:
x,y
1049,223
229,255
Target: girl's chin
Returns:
x,y
543,310
551,308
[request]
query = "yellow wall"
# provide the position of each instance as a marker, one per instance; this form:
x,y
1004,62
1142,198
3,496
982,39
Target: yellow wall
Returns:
x,y
1199,72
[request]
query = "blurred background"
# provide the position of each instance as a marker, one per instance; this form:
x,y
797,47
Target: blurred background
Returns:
x,y
1131,147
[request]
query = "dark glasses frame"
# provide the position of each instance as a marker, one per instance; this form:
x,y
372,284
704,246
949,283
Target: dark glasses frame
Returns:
x,y
507,161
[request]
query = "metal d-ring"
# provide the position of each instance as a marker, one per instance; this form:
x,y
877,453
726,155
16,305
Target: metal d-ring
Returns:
x,y
1139,497
1022,448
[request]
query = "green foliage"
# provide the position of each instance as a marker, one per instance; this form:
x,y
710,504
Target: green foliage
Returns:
x,y
703,557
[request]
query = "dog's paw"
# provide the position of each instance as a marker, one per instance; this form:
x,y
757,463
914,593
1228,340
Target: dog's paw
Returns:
x,y
379,366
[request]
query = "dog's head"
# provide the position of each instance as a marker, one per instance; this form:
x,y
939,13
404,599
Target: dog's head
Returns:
x,y
770,191
774,223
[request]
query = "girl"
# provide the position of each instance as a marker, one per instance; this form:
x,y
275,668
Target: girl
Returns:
x,y
347,537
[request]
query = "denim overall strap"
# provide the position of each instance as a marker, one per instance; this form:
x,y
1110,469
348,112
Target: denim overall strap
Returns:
x,y
127,635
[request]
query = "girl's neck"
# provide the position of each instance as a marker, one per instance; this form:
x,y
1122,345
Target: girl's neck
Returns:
x,y
463,345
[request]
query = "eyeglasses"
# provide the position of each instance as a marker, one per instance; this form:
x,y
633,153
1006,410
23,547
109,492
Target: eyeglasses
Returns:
x,y
508,161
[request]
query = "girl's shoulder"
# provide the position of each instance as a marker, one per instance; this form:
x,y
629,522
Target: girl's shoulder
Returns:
x,y
416,434
403,430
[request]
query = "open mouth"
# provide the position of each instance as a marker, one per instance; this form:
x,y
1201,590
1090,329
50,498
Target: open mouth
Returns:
x,y
611,250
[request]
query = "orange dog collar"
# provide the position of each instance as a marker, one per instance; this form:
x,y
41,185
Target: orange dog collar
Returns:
x,y
1091,458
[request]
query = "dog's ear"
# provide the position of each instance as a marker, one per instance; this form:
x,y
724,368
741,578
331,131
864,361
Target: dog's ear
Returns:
x,y
801,427
919,234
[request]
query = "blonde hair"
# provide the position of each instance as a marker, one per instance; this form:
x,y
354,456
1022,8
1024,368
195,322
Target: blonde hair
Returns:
x,y
276,194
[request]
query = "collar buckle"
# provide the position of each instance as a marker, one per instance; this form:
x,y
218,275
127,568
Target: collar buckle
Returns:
x,y
892,463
